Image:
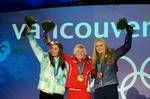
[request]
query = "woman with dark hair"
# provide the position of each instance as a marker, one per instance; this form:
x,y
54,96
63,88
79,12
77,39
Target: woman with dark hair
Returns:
x,y
53,69
105,64
78,75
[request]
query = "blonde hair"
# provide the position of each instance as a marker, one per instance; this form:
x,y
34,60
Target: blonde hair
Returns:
x,y
107,57
79,46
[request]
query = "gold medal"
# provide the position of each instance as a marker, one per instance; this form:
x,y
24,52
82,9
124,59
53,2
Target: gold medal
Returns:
x,y
80,78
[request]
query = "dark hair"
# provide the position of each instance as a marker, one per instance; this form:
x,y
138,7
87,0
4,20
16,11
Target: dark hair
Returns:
x,y
60,55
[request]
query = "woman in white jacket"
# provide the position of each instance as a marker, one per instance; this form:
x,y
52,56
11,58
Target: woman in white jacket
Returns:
x,y
53,69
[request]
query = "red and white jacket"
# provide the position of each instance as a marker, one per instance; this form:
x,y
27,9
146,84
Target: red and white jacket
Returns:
x,y
73,72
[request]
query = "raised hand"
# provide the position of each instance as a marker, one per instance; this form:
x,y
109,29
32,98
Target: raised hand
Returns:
x,y
130,29
123,24
48,26
29,20
26,30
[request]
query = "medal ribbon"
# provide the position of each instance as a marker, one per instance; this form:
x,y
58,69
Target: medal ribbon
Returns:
x,y
99,67
56,68
82,68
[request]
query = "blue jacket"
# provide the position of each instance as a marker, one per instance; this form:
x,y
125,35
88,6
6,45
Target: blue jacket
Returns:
x,y
110,71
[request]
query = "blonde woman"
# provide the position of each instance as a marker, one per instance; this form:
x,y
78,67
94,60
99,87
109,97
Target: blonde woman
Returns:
x,y
105,64
80,66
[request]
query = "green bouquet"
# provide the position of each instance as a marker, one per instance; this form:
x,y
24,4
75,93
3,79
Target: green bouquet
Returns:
x,y
122,24
30,20
48,25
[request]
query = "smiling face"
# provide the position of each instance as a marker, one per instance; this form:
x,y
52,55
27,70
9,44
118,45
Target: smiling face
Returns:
x,y
79,54
79,51
54,50
100,47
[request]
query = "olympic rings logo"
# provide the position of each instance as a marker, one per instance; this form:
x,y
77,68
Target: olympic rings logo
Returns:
x,y
134,76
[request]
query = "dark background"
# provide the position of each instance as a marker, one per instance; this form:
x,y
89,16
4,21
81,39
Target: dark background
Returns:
x,y
17,5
